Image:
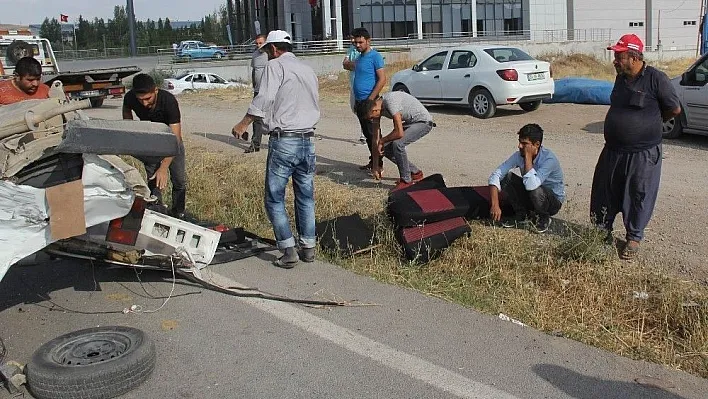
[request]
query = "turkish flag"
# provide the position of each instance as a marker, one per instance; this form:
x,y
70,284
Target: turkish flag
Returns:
x,y
63,18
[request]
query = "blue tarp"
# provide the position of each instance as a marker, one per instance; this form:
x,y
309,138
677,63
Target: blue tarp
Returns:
x,y
581,91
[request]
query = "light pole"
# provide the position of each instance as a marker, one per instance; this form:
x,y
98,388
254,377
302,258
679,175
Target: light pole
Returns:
x,y
131,28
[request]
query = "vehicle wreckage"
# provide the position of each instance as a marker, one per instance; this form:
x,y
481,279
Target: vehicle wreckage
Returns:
x,y
64,189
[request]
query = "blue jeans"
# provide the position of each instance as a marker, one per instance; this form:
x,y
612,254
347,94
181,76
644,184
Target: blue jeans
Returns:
x,y
291,156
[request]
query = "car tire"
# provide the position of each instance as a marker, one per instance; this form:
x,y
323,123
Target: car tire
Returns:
x,y
401,87
482,104
96,102
99,362
218,56
672,128
530,106
18,49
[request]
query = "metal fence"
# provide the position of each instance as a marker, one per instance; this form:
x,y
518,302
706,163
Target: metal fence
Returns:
x,y
333,46
109,52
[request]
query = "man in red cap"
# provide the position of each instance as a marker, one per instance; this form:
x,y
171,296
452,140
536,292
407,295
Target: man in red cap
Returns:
x,y
628,170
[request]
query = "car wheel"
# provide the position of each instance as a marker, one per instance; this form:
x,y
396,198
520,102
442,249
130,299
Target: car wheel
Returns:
x,y
99,362
531,106
401,87
218,56
672,128
482,104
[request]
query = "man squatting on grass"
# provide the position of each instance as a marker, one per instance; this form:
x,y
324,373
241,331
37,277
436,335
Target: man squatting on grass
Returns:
x,y
411,121
539,191
288,105
628,170
369,80
153,104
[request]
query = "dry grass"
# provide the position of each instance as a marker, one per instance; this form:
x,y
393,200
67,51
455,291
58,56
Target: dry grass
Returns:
x,y
571,286
589,66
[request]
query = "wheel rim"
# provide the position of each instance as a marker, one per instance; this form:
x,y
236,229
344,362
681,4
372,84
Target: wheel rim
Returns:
x,y
668,126
480,103
92,349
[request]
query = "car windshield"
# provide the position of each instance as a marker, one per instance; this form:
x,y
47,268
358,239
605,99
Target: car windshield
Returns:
x,y
508,54
181,75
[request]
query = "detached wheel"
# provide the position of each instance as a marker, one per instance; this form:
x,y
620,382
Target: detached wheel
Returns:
x,y
672,128
96,102
401,87
532,106
482,104
100,362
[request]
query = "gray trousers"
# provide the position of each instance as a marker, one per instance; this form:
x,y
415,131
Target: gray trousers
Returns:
x,y
396,150
626,182
258,130
541,200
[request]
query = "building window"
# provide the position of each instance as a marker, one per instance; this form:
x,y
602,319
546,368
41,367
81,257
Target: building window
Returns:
x,y
636,24
689,23
446,18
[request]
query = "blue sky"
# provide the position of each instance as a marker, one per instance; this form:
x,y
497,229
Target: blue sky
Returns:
x,y
25,12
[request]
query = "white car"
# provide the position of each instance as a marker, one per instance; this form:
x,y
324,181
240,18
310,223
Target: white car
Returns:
x,y
692,89
189,82
481,77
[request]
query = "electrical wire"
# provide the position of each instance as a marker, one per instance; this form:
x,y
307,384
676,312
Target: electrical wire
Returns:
x,y
680,5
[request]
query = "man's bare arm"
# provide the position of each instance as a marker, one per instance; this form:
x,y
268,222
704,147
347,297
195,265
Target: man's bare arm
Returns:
x,y
671,113
127,113
397,132
380,83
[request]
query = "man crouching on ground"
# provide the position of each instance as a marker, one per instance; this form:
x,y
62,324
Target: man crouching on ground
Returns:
x,y
539,191
153,104
288,104
411,121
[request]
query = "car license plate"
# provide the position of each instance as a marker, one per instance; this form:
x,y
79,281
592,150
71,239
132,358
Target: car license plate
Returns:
x,y
90,93
536,76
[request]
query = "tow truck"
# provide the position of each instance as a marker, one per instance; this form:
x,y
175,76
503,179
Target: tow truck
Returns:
x,y
92,84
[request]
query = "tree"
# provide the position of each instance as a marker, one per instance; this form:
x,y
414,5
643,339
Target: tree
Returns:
x,y
51,30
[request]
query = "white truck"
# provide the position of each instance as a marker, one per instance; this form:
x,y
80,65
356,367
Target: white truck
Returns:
x,y
93,84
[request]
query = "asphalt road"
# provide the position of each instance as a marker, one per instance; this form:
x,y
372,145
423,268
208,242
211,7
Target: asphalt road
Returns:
x,y
403,344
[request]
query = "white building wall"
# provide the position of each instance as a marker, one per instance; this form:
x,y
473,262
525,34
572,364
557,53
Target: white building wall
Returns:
x,y
618,15
547,19
668,26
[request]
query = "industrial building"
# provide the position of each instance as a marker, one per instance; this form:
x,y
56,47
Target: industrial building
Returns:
x,y
671,24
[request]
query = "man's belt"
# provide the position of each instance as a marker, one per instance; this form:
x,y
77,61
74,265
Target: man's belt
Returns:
x,y
277,132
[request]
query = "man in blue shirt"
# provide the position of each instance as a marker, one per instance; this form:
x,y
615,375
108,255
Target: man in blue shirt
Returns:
x,y
539,190
369,80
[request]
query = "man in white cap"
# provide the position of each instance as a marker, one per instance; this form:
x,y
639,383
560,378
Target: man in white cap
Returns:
x,y
628,170
288,105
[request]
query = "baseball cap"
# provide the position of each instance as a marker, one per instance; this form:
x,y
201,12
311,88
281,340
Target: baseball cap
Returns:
x,y
628,42
278,36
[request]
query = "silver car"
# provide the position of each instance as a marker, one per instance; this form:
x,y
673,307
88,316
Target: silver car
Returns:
x,y
693,94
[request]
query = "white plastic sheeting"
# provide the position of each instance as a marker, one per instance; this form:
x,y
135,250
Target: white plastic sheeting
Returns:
x,y
24,213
